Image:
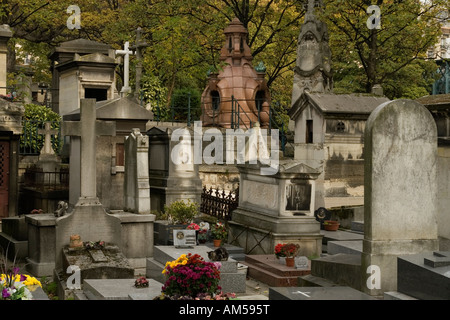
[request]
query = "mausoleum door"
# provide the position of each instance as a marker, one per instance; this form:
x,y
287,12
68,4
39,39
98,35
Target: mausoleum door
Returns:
x,y
4,178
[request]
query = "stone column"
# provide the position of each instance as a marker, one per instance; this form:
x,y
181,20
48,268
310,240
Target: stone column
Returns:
x,y
5,35
400,190
137,186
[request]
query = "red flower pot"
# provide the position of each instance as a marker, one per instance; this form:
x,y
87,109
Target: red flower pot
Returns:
x,y
331,225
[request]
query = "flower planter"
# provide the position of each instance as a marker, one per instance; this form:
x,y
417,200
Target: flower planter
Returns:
x,y
217,242
331,225
290,261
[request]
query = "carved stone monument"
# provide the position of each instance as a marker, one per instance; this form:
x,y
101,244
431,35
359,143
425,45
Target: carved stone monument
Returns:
x,y
276,208
170,181
312,72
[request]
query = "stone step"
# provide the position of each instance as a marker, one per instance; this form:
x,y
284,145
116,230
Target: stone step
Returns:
x,y
342,269
317,293
271,279
395,295
357,226
16,249
346,247
313,281
273,265
269,270
339,235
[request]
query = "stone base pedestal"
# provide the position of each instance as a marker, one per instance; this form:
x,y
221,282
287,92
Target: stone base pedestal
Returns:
x,y
136,237
259,234
90,221
384,254
14,237
41,244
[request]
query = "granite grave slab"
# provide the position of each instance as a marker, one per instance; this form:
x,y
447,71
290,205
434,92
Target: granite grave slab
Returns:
x,y
317,293
120,289
425,276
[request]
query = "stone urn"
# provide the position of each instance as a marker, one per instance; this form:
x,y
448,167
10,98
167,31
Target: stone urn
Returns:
x,y
264,115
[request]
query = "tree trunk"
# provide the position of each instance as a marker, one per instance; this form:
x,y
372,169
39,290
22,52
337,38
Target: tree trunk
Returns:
x,y
11,58
372,61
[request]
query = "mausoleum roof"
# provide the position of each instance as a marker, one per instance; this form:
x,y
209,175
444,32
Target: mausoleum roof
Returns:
x,y
330,103
116,109
82,46
435,101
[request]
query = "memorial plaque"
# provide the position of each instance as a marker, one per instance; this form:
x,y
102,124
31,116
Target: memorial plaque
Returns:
x,y
184,238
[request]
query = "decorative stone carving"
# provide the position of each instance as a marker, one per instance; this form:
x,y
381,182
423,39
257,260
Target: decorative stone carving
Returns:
x,y
312,72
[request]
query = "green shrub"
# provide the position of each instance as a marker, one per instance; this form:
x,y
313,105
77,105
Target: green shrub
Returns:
x,y
181,212
34,118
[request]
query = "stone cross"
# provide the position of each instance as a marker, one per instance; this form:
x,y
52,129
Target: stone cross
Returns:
x,y
48,132
88,128
126,67
138,47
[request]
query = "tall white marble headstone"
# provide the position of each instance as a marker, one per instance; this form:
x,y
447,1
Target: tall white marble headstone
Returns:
x,y
400,190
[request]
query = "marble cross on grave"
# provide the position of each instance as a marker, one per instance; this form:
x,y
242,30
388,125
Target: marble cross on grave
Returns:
x,y
47,132
88,128
126,67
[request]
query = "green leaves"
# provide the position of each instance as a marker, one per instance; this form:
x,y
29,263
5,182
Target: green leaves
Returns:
x,y
34,119
363,57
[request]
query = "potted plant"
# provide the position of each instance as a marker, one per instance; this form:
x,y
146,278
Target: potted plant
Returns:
x,y
189,276
202,235
219,233
177,216
330,225
289,251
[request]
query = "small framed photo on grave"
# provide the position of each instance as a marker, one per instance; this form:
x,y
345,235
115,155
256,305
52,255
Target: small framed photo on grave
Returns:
x,y
184,238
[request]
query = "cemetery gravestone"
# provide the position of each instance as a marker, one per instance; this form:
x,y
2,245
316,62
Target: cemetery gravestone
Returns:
x,y
425,275
170,181
88,218
137,186
400,189
276,208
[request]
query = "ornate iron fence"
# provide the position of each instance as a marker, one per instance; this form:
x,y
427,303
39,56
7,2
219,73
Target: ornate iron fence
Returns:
x,y
218,203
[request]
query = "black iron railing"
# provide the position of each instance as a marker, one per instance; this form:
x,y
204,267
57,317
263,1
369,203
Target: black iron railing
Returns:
x,y
218,203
